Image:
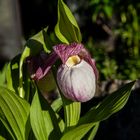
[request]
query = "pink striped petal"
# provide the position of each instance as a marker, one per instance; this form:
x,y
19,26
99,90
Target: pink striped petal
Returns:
x,y
65,51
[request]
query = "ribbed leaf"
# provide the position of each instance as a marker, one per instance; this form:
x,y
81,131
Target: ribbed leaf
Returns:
x,y
37,120
78,132
45,123
72,112
6,125
66,29
109,105
14,114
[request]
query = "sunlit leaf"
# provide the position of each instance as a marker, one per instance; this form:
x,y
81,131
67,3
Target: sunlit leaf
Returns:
x,y
72,112
12,77
57,104
60,123
78,132
37,120
3,75
14,114
44,123
66,29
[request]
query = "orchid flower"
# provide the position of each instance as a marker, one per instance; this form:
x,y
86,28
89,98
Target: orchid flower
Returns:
x,y
76,76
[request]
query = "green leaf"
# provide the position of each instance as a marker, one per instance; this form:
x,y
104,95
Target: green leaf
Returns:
x,y
60,123
12,74
49,124
37,120
56,120
93,131
109,105
46,124
72,112
6,124
3,75
66,29
24,55
14,114
50,40
57,104
12,77
78,132
4,132
41,38
9,81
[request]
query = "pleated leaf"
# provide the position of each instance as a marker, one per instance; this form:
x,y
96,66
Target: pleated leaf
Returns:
x,y
72,113
78,132
14,114
45,123
109,105
37,120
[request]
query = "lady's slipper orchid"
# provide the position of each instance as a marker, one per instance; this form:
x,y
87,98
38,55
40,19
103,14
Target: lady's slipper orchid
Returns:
x,y
76,76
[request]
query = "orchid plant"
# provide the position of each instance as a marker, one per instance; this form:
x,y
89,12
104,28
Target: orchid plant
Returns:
x,y
55,61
